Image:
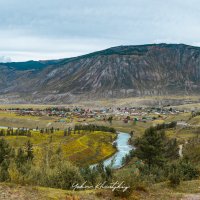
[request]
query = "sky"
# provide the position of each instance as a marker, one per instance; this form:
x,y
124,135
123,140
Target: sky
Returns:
x,y
53,29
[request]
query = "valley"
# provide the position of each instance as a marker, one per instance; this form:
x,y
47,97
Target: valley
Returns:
x,y
84,136
99,100
127,113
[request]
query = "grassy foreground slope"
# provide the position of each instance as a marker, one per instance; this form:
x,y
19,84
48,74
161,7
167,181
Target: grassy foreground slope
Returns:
x,y
11,192
186,191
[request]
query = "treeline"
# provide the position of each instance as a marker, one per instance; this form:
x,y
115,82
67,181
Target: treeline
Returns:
x,y
93,127
165,126
15,132
77,130
47,130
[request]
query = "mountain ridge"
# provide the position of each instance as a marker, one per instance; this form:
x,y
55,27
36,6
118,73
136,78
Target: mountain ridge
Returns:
x,y
116,72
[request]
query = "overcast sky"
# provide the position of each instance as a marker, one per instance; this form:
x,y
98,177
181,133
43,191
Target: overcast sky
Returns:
x,y
49,29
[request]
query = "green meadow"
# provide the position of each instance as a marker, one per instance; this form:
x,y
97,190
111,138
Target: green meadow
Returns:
x,y
82,148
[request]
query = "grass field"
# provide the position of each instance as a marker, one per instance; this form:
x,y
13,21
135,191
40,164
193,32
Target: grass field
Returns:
x,y
130,101
192,106
83,148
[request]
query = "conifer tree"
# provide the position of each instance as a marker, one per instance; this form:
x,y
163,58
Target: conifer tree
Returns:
x,y
150,148
21,158
5,155
29,151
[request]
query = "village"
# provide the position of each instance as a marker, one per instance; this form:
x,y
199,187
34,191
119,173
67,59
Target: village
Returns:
x,y
78,114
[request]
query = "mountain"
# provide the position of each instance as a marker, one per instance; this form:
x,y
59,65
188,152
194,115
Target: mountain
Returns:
x,y
118,72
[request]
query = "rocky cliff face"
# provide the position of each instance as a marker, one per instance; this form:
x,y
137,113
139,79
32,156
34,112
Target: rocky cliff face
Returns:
x,y
124,71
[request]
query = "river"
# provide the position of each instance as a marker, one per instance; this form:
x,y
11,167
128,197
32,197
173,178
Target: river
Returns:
x,y
123,148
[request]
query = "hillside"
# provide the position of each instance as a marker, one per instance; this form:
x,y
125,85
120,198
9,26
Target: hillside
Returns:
x,y
124,71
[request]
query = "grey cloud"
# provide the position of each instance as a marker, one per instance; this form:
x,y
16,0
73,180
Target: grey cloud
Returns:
x,y
86,23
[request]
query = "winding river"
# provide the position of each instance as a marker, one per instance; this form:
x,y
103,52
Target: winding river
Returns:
x,y
123,148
